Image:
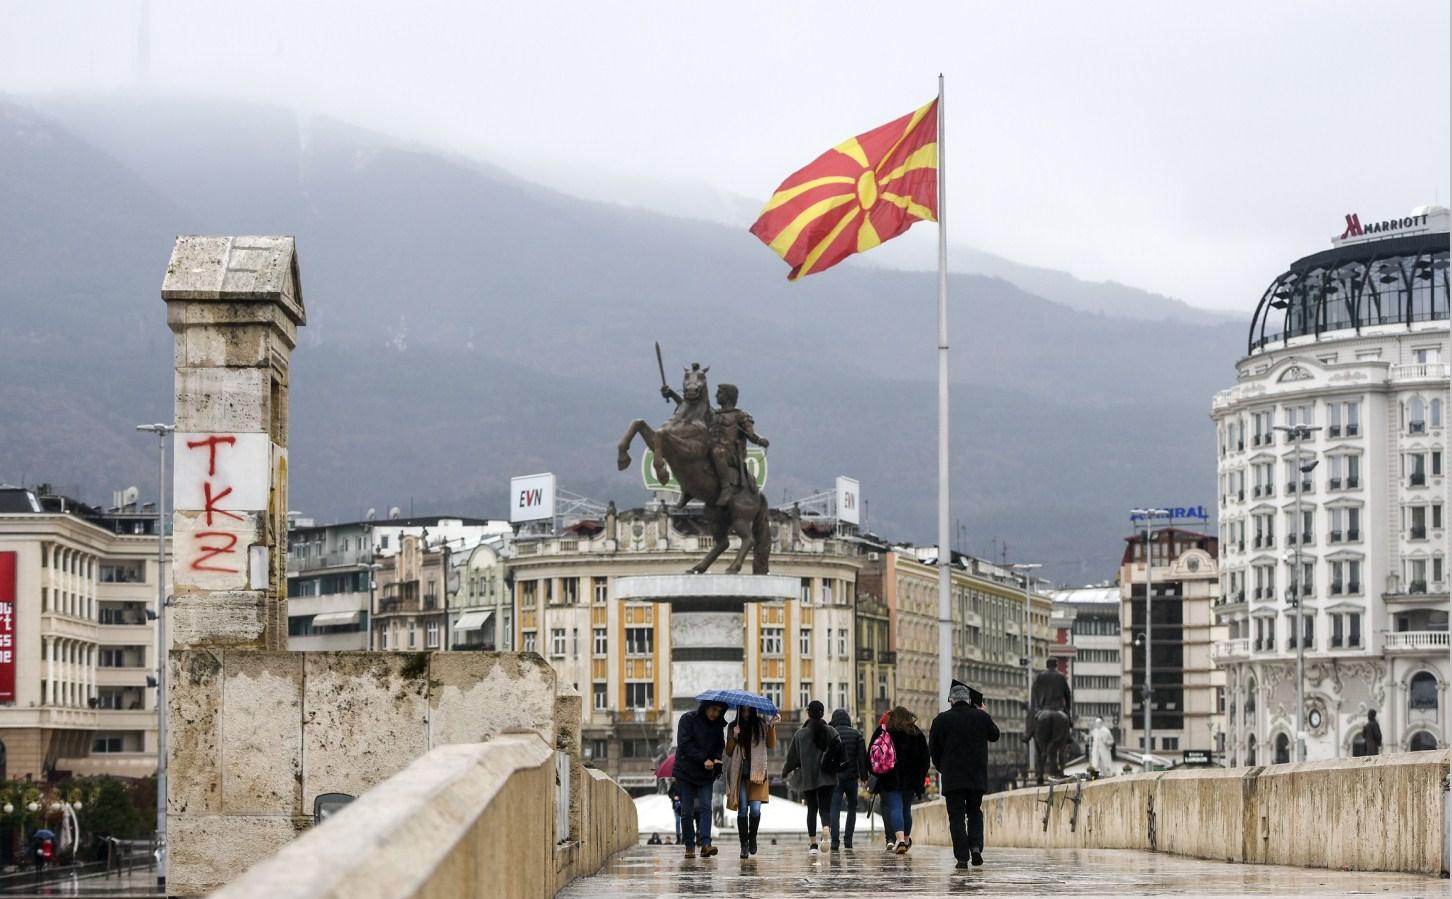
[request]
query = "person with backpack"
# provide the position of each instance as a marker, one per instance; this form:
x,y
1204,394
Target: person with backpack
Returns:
x,y
747,785
815,750
854,748
898,755
958,743
699,748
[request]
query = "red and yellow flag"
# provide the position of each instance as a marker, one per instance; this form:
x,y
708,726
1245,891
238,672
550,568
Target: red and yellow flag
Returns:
x,y
867,189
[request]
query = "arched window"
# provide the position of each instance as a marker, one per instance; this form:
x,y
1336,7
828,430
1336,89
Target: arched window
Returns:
x,y
1250,750
1283,749
1250,702
1416,418
1423,691
1422,741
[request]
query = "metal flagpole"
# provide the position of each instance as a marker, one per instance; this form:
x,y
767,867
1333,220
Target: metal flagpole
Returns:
x,y
945,552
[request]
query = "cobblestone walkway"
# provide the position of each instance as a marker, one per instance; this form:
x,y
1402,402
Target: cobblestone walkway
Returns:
x,y
786,869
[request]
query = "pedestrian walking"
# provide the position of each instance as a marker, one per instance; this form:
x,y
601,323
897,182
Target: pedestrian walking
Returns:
x,y
675,796
898,753
747,785
844,794
958,742
815,751
700,746
1371,733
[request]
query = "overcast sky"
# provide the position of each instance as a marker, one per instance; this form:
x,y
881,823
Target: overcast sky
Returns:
x,y
1189,148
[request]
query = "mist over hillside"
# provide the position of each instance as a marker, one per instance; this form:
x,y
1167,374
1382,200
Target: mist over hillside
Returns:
x,y
466,325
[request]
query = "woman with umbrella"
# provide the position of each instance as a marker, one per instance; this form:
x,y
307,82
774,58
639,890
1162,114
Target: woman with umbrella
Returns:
x,y
751,735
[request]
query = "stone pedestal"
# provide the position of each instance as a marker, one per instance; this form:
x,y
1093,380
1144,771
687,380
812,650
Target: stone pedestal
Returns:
x,y
707,626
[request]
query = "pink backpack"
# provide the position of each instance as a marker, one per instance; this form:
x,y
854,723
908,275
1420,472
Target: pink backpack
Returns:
x,y
883,755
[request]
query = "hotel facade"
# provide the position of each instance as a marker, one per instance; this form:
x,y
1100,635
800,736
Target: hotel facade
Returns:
x,y
1353,342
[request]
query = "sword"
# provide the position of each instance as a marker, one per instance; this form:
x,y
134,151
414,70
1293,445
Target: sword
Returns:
x,y
661,365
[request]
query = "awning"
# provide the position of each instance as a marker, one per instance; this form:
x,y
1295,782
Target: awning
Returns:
x,y
472,621
335,619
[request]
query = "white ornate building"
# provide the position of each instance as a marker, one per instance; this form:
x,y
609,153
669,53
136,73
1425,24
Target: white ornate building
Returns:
x,y
1352,341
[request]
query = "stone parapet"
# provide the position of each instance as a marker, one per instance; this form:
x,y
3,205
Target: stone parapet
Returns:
x,y
257,736
463,821
1381,813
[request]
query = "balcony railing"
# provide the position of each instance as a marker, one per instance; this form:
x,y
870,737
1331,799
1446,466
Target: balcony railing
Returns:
x,y
1333,483
1334,536
1419,532
864,653
887,657
1420,371
1416,427
1414,640
1353,535
1231,649
1417,480
1417,587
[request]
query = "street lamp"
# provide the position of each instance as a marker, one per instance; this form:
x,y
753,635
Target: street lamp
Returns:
x,y
1028,650
160,430
1148,516
1299,433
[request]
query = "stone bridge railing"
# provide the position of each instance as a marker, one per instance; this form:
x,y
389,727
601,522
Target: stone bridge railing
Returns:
x,y
1382,813
470,820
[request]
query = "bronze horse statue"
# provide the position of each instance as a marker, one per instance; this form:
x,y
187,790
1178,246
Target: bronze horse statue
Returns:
x,y
682,447
1051,732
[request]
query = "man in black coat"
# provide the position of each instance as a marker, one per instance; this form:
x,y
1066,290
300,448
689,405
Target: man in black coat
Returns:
x,y
958,743
700,744
1371,733
854,771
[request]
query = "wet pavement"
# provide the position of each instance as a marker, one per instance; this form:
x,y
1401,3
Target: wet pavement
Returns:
x,y
786,869
138,883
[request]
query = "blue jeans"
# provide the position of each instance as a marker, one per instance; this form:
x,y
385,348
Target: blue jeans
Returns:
x,y
846,786
897,811
695,812
744,806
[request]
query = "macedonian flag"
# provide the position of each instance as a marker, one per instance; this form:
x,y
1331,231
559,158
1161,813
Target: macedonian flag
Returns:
x,y
867,189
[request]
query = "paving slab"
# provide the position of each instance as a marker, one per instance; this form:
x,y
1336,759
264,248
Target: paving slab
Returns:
x,y
786,869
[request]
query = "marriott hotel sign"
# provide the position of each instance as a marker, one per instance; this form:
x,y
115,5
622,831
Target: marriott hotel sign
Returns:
x,y
1433,219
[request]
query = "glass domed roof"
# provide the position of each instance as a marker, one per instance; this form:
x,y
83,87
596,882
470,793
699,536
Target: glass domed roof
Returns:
x,y
1399,280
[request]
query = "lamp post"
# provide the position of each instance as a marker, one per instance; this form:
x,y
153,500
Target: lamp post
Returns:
x,y
1149,516
1028,648
160,430
1299,433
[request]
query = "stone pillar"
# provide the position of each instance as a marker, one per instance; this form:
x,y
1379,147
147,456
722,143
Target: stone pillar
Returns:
x,y
234,304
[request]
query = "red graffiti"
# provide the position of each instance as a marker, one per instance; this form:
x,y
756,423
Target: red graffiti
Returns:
x,y
211,552
226,543
211,503
211,444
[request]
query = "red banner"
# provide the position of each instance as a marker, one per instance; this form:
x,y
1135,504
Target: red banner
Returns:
x,y
7,627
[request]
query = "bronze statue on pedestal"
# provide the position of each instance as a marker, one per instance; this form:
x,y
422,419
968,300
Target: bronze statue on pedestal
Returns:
x,y
705,449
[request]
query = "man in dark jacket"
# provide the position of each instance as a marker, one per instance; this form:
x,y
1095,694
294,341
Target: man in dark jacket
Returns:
x,y
700,743
958,742
854,771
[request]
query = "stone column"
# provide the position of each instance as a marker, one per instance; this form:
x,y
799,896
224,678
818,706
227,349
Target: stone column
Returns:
x,y
234,304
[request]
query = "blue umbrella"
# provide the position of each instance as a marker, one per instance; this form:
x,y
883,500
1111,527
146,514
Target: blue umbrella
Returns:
x,y
737,698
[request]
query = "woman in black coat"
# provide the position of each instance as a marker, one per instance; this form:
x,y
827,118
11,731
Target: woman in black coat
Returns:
x,y
905,781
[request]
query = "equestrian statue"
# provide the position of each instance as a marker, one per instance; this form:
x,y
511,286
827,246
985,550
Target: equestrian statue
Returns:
x,y
705,448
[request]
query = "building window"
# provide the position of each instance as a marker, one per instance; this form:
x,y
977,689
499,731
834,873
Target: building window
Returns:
x,y
570,590
529,641
598,750
639,641
804,695
602,697
842,643
774,690
557,642
412,633
1169,743
806,591
1423,691
601,642
383,636
528,594
805,642
771,641
107,743
827,591
602,590
431,635
640,695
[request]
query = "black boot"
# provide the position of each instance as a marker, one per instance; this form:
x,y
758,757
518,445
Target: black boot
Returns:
x,y
751,840
742,833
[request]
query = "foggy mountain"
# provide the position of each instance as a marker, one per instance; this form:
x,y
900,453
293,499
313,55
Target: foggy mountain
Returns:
x,y
466,325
